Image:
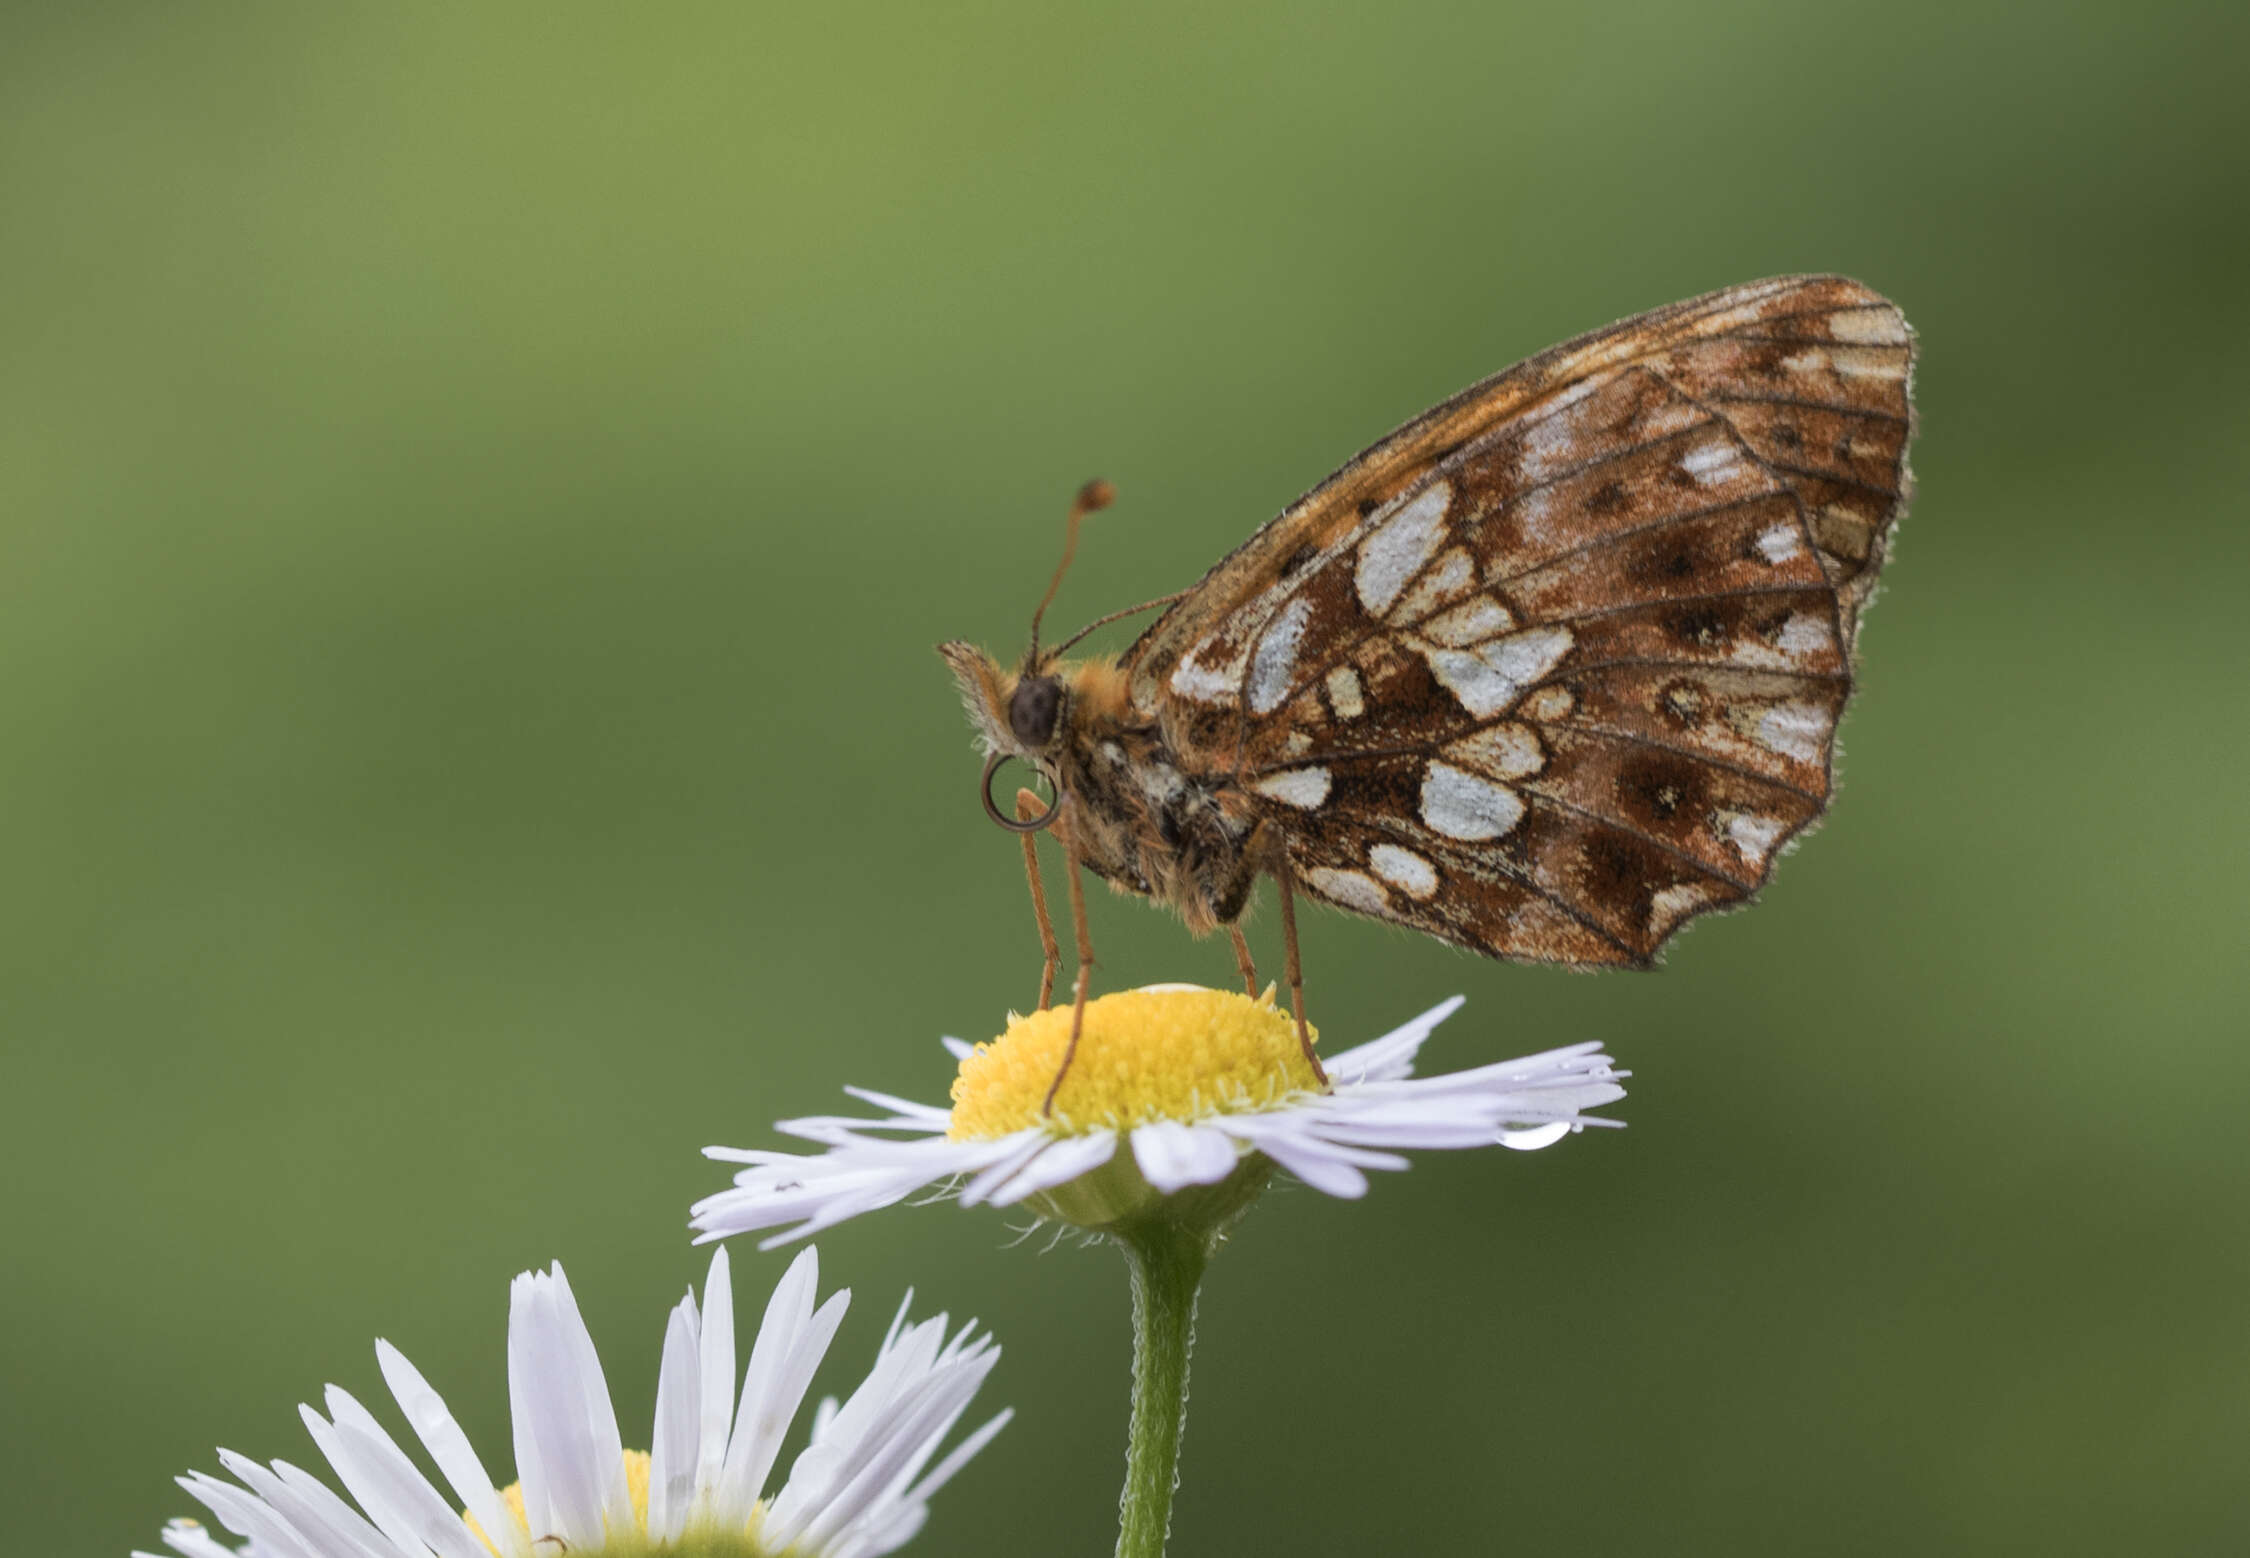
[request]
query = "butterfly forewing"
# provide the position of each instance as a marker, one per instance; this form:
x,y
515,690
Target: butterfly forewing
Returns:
x,y
1558,666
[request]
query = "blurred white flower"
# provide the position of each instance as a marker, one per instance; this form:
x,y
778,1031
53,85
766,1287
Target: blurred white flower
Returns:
x,y
1208,1087
861,1487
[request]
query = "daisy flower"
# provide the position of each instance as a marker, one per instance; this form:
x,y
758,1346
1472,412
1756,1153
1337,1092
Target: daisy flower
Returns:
x,y
861,1487
1177,1108
1175,1092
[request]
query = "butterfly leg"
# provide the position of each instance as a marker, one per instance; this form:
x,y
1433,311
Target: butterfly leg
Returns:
x,y
1085,967
1242,961
1291,966
1028,806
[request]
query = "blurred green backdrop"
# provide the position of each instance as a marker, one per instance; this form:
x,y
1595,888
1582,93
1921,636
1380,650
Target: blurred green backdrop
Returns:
x,y
479,494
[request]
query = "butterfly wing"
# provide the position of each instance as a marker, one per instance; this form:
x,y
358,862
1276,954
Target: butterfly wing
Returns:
x,y
1557,666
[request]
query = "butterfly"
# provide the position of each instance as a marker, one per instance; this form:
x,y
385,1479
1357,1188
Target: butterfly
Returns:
x,y
1546,673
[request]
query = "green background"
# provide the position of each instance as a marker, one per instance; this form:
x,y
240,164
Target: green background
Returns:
x,y
479,492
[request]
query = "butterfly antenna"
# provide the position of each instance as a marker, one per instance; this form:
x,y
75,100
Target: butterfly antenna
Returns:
x,y
1092,498
1117,616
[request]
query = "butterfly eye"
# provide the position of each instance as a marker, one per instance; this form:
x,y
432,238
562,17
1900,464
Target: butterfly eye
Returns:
x,y
1032,709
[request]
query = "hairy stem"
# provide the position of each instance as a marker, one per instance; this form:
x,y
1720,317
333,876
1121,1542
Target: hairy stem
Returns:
x,y
1166,1261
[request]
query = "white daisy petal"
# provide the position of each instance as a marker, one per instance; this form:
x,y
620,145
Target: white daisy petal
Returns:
x,y
1558,1085
1302,1136
267,1528
359,1535
1393,1054
792,1339
1316,1169
323,1526
1578,1098
395,1495
540,1355
1174,1156
1023,1147
340,1512
1423,1128
820,1190
366,1490
903,1108
715,1383
840,1210
1058,1165
606,1460
674,1450
1539,1136
891,1335
859,1490
850,1475
915,1418
441,1435
189,1539
960,1456
432,1521
884,1533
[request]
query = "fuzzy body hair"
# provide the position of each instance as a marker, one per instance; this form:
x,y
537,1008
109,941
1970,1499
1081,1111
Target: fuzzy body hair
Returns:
x,y
1133,813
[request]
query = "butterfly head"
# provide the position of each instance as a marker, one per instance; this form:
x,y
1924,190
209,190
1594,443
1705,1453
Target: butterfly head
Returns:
x,y
1025,714
1018,714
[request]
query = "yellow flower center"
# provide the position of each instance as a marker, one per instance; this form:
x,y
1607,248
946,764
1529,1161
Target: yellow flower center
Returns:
x,y
1169,1052
700,1540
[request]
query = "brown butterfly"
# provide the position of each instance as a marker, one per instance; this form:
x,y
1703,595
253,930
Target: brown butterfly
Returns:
x,y
1546,673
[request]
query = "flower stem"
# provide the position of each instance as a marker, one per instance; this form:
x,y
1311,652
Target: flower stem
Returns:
x,y
1167,1261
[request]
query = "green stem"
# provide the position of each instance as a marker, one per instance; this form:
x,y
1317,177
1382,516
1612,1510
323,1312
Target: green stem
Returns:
x,y
1167,1264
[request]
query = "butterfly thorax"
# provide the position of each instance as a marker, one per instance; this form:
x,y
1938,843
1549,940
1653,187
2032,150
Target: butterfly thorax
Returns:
x,y
1134,812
